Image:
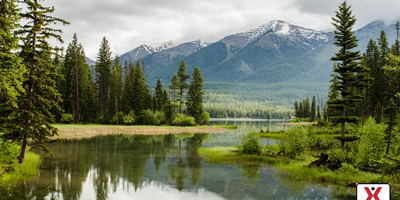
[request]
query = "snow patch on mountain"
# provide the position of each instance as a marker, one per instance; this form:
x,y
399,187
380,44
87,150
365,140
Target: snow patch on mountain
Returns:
x,y
152,48
283,28
201,43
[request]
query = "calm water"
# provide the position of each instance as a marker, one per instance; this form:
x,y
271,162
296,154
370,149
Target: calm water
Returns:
x,y
161,167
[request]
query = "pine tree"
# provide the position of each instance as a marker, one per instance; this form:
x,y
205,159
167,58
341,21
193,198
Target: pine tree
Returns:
x,y
103,72
127,93
165,98
384,84
139,90
349,72
296,109
173,87
11,68
195,93
33,119
313,110
115,88
391,114
307,110
182,84
159,95
301,110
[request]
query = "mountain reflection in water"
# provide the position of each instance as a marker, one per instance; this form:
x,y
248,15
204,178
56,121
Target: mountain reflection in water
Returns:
x,y
156,167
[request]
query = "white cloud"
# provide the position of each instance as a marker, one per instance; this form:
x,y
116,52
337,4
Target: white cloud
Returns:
x,y
128,24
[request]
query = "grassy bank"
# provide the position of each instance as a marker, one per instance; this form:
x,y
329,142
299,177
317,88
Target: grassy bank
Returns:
x,y
72,131
295,169
26,170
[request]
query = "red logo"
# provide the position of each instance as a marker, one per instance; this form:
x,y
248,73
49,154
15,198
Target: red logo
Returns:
x,y
370,195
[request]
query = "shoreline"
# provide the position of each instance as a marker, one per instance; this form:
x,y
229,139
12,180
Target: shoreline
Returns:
x,y
78,131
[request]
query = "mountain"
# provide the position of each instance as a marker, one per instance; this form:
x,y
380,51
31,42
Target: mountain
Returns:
x,y
144,50
155,59
276,52
90,61
242,54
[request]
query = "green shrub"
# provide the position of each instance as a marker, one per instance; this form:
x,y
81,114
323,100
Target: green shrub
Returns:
x,y
120,118
66,118
183,120
129,119
295,141
346,168
372,143
250,144
188,121
8,155
203,118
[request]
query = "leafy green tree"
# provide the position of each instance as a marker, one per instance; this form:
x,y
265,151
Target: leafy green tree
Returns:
x,y
195,93
103,72
349,71
154,100
307,110
33,119
182,84
296,109
159,94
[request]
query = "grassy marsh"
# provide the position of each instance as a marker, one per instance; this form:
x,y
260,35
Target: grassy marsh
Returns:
x,y
72,131
28,169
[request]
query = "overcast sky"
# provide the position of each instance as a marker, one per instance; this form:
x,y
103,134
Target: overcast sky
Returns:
x,y
129,23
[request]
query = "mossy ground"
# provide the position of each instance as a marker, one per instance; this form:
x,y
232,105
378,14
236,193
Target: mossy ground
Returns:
x,y
28,169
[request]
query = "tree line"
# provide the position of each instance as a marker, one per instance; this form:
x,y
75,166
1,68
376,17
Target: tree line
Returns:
x,y
40,85
116,93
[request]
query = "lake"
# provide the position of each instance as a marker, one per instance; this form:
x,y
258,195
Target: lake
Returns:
x,y
162,167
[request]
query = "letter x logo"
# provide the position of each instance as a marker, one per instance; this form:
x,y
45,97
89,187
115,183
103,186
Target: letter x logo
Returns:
x,y
375,195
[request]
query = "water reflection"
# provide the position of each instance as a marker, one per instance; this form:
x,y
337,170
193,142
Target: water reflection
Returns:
x,y
157,166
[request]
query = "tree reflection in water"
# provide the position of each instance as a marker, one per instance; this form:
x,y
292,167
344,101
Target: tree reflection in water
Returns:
x,y
108,162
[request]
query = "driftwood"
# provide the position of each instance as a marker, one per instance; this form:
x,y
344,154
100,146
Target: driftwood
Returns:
x,y
325,161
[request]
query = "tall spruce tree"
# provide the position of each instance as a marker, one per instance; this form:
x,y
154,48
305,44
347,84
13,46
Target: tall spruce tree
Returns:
x,y
391,113
11,67
159,95
195,94
139,90
103,73
173,87
313,109
33,119
182,84
349,72
296,109
127,93
384,88
115,88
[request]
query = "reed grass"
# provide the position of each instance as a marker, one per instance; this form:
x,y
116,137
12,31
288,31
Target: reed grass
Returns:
x,y
77,131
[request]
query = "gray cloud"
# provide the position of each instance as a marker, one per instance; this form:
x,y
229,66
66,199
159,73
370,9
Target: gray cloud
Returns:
x,y
130,23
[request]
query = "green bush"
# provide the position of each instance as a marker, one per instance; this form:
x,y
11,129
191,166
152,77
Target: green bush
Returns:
x,y
120,118
372,143
129,119
203,118
8,155
295,141
188,121
183,120
346,168
250,143
66,118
